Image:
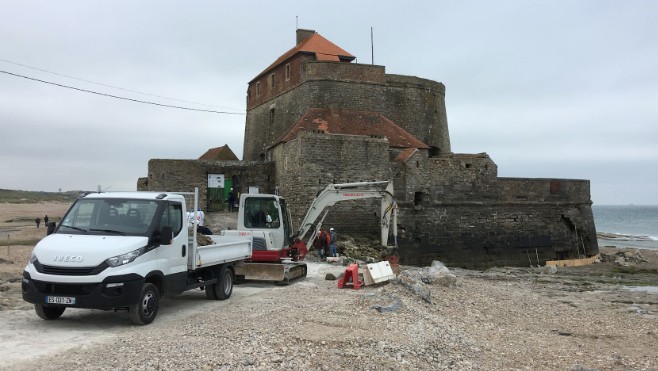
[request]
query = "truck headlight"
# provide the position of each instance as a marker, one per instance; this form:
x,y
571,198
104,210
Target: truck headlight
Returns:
x,y
126,258
33,258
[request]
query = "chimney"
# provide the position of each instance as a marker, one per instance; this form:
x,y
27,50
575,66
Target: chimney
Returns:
x,y
303,35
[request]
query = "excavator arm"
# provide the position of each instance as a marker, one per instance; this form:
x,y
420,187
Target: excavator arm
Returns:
x,y
334,193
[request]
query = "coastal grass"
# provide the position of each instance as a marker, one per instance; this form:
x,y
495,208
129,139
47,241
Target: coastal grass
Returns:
x,y
30,197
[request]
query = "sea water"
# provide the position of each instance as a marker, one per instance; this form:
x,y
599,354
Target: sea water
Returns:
x,y
628,226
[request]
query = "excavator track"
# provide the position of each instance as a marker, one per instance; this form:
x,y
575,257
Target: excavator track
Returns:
x,y
292,272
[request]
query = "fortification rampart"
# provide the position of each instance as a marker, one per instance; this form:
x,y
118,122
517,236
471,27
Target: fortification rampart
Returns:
x,y
477,235
545,190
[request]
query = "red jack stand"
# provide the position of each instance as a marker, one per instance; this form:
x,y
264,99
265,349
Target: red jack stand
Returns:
x,y
351,274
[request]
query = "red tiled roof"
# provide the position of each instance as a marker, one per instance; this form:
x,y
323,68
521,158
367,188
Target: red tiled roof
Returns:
x,y
405,155
222,153
353,123
323,49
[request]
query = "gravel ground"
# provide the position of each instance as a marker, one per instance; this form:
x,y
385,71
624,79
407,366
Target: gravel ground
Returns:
x,y
492,321
508,318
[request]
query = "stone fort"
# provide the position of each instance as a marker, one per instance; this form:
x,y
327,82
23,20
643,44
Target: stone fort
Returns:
x,y
315,117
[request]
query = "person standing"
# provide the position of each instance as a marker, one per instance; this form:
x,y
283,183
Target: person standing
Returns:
x,y
38,221
201,216
231,200
45,220
332,241
320,243
325,243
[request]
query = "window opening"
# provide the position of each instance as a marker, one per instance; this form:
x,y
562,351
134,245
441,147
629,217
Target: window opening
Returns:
x,y
418,197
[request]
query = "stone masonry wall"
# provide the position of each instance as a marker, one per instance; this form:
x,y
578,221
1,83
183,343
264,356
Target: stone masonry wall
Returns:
x,y
418,106
473,235
184,175
307,164
456,210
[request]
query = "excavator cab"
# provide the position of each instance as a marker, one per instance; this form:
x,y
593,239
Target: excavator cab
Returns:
x,y
267,213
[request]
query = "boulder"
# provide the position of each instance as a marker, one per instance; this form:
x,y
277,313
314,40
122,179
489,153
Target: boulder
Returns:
x,y
415,286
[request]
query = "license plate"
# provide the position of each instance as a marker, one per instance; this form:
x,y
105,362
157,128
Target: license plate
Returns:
x,y
66,300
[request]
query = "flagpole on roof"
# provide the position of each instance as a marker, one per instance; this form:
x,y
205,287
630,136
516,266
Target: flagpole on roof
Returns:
x,y
372,48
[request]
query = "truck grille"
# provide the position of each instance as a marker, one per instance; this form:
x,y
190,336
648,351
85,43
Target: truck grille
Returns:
x,y
69,271
65,288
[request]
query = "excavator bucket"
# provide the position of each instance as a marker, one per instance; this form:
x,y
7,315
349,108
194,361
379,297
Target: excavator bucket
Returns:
x,y
281,273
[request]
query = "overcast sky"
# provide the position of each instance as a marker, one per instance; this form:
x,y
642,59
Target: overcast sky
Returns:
x,y
552,89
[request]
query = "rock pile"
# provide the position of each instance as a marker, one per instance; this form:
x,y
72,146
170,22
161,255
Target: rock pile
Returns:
x,y
625,257
417,279
362,249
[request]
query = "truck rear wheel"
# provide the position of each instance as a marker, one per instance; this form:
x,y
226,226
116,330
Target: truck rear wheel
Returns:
x,y
225,284
223,288
145,311
49,313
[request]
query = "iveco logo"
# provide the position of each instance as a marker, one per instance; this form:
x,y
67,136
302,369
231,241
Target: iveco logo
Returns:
x,y
68,258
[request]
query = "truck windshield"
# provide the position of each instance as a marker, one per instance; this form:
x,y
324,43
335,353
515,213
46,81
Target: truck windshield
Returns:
x,y
110,216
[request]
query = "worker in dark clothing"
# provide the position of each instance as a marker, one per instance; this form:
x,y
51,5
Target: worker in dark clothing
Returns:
x,y
320,243
332,242
231,200
262,218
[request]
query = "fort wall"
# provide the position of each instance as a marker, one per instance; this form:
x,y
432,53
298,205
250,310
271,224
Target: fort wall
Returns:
x,y
455,209
476,235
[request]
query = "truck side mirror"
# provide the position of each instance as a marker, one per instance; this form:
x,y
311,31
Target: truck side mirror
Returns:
x,y
167,235
51,228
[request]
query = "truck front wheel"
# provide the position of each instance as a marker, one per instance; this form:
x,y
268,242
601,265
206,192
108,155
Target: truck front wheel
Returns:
x,y
145,311
49,313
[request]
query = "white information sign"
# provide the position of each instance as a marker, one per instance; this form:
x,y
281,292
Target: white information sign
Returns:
x,y
215,180
253,190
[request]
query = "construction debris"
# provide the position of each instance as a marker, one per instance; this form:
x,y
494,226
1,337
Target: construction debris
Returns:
x,y
378,273
623,257
416,280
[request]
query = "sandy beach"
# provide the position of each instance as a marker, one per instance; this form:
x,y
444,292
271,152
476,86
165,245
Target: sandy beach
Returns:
x,y
600,316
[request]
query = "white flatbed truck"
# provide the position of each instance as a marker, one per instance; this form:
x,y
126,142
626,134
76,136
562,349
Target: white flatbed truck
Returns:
x,y
126,250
